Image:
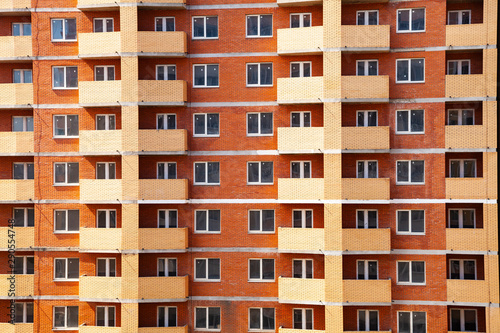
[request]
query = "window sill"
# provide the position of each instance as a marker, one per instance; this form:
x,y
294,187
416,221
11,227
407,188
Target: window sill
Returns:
x,y
257,135
260,85
411,284
410,233
409,31
205,87
64,40
261,281
207,232
259,36
206,136
206,280
66,280
410,82
405,184
261,232
66,232
252,184
65,329
65,137
63,88
204,38
410,133
71,184
214,184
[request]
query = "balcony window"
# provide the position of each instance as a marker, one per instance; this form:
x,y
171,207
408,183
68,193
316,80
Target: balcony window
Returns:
x,y
207,270
259,25
260,173
410,70
366,67
166,121
167,316
261,270
411,272
463,168
22,124
463,320
300,69
300,169
207,221
66,269
300,119
104,73
259,74
461,117
366,118
259,123
167,267
302,268
458,67
21,29
206,76
412,322
302,218
24,265
106,218
106,170
166,72
207,318
367,270
261,221
410,221
167,218
303,319
367,320
205,27
410,172
22,76
300,20
165,23
166,170
23,171
105,316
24,217
411,20
462,218
206,124
66,126
106,267
261,319
459,17
65,317
105,122
103,25
206,173
24,312
367,219
463,269
67,220
367,17
63,30
367,169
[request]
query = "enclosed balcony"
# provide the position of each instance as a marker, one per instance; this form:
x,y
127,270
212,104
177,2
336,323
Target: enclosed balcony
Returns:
x,y
300,189
300,140
292,290
366,188
301,240
163,189
24,236
24,285
300,41
15,48
367,291
354,240
473,291
163,140
100,190
17,189
16,142
100,239
114,4
163,238
16,95
171,287
92,287
17,328
366,36
99,93
98,142
300,90
374,87
373,137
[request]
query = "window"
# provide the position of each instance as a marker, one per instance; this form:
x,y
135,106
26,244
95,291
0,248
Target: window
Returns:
x,y
66,126
207,318
260,74
411,20
461,117
167,316
167,218
464,320
462,218
367,169
411,221
166,121
106,170
367,270
261,269
300,69
205,27
303,268
463,269
259,25
106,218
410,70
24,265
21,29
366,67
65,316
206,76
412,322
65,77
105,122
261,220
367,219
67,220
303,319
106,267
103,25
104,73
260,173
366,118
367,17
367,320
206,124
63,30
22,124
459,17
458,67
165,23
206,173
166,72
66,269
24,312
303,218
105,316
261,319
66,173
166,170
259,123
410,172
411,272
463,168
22,76
207,221
300,169
24,217
167,267
300,119
207,269
300,20
23,171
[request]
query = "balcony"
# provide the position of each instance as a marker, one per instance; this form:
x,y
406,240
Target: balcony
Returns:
x,y
300,90
293,290
163,140
374,87
466,34
171,287
17,328
10,6
367,291
366,188
163,238
290,3
100,190
354,240
473,85
301,189
100,239
16,95
24,237
300,140
15,47
99,329
162,93
183,329
100,142
473,291
366,36
17,190
25,285
293,330
92,287
471,136
466,188
374,137
163,189
466,240
99,93
300,41
16,142
301,240
113,4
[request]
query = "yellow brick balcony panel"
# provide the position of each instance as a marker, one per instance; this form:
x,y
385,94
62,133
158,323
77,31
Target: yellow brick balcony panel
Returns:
x,y
290,3
113,4
375,331
100,287
373,137
366,240
466,240
163,140
471,136
24,285
474,291
366,36
300,139
15,47
301,240
24,237
300,90
173,43
367,291
163,189
183,329
100,189
473,85
365,87
466,188
163,238
17,328
16,142
301,188
164,287
466,34
293,330
366,188
99,93
14,95
99,329
300,40
293,290
100,238
17,189
100,141
154,92
102,44
14,5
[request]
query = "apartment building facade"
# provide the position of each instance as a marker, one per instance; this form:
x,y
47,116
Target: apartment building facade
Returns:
x,y
248,166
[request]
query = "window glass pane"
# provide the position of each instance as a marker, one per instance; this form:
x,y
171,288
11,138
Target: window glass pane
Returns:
x,y
171,170
402,172
171,73
212,24
361,270
373,321
252,25
403,272
109,25
417,221
372,18
57,29
199,124
252,123
19,265
101,267
172,219
417,70
418,19
307,20
470,168
58,77
73,220
72,316
266,74
361,18
19,308
372,270
201,220
403,221
214,220
199,75
213,268
465,67
17,124
266,123
17,76
372,68
253,74
201,268
70,28
453,18
100,316
29,312
101,218
372,219
455,320
213,172
470,320
267,318
417,171
172,267
360,219
361,68
212,75
18,171
402,70
361,119
453,117
72,124
297,269
361,169
297,219
112,170
417,120
467,117
60,270
172,317
307,119
112,267
468,218
403,20
417,272
309,269
466,17
16,29
101,171
295,70
98,25
61,220
253,172
199,175
469,270
19,217
201,317
254,222
161,219
254,269
268,220
111,73
213,318
295,21
171,121
255,318
101,122
404,322
71,77
266,25
362,320
402,121
295,170
59,316
372,169
267,172
73,268
307,170
59,125
419,325
455,169
213,123
73,173
27,76
454,218
199,27
297,318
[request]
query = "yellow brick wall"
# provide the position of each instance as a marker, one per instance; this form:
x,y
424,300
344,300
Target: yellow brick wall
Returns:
x,y
102,43
332,166
163,189
15,46
291,289
24,237
366,239
366,188
101,239
333,226
24,285
130,226
163,239
365,36
16,93
490,71
334,319
93,92
300,138
332,122
300,188
490,216
365,86
16,142
171,287
130,317
367,291
490,121
300,89
162,91
11,4
164,41
300,39
376,137
333,279
16,189
101,189
100,141
297,239
490,174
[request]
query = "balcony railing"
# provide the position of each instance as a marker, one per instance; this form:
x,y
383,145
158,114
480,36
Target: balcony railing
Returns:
x,y
300,41
367,291
365,87
473,85
163,140
24,236
474,291
100,189
100,93
15,46
16,142
183,329
15,5
466,34
163,238
293,290
373,137
17,189
163,189
366,240
300,90
466,239
100,287
24,285
466,188
301,240
171,287
100,141
168,93
17,328
366,188
300,139
100,239
301,188
366,36
16,95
